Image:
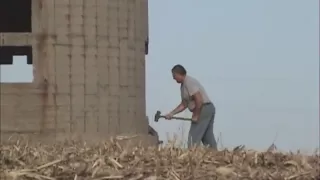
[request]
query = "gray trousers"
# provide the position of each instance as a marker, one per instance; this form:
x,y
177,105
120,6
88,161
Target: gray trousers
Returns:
x,y
202,130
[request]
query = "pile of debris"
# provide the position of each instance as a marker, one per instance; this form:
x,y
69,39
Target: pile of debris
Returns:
x,y
108,160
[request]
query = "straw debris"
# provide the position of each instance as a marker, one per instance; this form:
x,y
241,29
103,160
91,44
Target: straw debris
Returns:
x,y
108,160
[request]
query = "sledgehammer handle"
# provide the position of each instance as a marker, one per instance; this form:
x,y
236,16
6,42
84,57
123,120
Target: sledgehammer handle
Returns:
x,y
179,118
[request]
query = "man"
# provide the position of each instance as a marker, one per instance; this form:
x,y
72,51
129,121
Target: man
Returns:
x,y
194,97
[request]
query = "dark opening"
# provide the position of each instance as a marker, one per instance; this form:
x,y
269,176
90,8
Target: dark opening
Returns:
x,y
7,53
146,46
15,16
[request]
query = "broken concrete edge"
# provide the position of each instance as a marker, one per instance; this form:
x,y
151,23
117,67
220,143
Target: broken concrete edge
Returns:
x,y
153,132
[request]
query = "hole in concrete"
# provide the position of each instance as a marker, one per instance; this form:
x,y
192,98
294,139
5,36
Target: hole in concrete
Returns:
x,y
16,64
7,53
15,16
17,72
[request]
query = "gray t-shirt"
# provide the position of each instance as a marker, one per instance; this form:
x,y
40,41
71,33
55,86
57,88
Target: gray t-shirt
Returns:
x,y
188,88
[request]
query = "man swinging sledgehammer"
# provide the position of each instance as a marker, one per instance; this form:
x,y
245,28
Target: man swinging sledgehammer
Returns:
x,y
194,97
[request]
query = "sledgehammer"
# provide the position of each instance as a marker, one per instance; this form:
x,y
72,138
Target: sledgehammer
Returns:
x,y
158,115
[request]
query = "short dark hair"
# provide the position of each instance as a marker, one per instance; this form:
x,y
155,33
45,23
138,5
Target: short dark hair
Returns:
x,y
179,69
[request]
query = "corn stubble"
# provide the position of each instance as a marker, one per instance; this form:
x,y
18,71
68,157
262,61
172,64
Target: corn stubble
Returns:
x,y
109,160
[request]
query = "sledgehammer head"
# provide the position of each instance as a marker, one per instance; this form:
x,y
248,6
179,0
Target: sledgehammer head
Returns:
x,y
157,116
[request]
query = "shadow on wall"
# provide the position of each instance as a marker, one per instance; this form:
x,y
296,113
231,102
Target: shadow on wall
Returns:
x,y
16,72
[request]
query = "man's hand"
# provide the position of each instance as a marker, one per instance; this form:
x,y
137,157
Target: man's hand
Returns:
x,y
195,117
182,106
168,116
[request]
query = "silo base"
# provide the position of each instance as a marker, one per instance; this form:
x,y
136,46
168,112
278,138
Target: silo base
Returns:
x,y
144,140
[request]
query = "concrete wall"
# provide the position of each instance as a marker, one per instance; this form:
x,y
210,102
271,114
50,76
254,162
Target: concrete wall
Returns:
x,y
89,69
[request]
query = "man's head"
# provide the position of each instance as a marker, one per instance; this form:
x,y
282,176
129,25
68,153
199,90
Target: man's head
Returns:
x,y
178,73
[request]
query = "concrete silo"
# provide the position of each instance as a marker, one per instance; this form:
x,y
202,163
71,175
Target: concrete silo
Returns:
x,y
89,67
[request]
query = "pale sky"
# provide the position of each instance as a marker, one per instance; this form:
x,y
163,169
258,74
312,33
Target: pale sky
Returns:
x,y
257,59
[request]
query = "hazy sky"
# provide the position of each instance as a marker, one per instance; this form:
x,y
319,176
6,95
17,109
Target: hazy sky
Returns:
x,y
257,59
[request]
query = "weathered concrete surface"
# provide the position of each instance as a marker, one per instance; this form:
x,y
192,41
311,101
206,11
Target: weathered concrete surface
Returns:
x,y
47,138
89,70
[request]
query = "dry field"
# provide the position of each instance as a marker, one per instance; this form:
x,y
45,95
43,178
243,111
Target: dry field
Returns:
x,y
109,160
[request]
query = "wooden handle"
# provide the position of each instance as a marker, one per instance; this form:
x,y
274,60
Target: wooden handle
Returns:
x,y
179,118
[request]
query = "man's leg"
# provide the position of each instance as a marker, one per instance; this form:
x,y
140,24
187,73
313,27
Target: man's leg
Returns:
x,y
208,138
198,129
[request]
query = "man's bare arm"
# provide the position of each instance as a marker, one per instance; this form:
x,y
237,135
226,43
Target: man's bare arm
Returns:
x,y
198,103
181,107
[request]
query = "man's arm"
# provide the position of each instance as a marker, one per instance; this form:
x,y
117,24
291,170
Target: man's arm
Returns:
x,y
194,92
181,107
198,103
